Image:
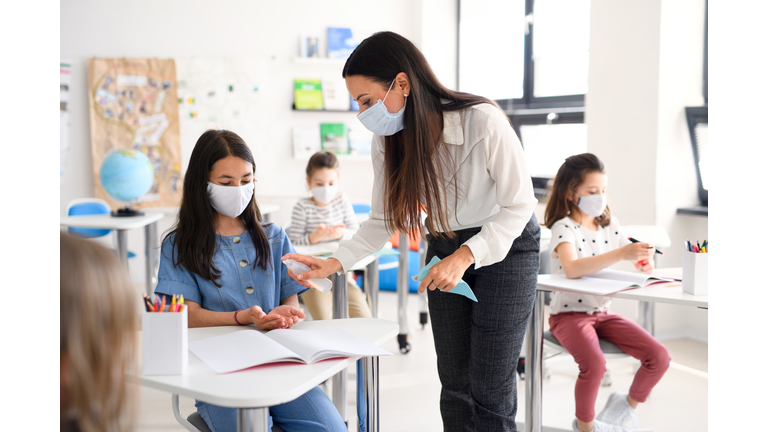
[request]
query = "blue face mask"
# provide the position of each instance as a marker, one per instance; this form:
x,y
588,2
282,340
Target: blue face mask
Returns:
x,y
379,121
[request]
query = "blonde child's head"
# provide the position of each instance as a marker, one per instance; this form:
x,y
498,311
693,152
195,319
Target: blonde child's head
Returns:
x,y
99,320
323,177
578,176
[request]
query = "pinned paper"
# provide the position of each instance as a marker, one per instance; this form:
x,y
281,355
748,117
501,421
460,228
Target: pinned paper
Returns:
x,y
461,288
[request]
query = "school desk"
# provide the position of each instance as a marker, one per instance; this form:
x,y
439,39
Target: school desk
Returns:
x,y
254,390
370,265
121,225
656,293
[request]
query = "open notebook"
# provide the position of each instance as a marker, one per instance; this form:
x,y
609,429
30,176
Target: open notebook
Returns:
x,y
247,348
604,282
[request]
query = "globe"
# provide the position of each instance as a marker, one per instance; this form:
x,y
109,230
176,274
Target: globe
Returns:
x,y
127,174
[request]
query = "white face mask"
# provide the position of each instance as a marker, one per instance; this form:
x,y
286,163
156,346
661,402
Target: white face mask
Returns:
x,y
593,205
325,194
380,121
230,200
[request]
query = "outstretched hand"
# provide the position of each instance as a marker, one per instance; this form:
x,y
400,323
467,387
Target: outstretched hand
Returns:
x,y
319,268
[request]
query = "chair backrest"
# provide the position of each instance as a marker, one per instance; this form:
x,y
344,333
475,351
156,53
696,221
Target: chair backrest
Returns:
x,y
361,211
85,207
544,261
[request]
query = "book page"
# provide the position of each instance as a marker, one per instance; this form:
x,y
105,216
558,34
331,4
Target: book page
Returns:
x,y
240,350
640,279
588,285
316,345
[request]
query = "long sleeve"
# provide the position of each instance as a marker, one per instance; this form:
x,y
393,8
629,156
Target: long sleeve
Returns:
x,y
506,165
373,234
297,231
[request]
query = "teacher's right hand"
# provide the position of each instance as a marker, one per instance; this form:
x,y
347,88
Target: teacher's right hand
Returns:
x,y
319,268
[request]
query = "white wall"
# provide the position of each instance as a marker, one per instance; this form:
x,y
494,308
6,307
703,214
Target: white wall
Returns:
x,y
267,29
645,67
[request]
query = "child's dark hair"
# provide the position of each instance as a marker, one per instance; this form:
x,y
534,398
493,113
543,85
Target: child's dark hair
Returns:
x,y
570,175
320,160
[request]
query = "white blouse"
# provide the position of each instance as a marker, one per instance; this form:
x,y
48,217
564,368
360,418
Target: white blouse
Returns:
x,y
587,243
495,189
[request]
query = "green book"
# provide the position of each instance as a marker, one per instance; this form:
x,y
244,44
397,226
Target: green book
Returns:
x,y
308,94
333,138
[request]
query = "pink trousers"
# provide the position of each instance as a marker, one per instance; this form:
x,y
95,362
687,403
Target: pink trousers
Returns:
x,y
578,332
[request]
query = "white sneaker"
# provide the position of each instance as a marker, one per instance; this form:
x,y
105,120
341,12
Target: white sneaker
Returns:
x,y
617,411
602,427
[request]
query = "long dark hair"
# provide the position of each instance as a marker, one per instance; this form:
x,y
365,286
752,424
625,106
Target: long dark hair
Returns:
x,y
195,227
411,177
568,178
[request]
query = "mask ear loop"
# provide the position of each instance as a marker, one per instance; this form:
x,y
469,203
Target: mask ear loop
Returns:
x,y
390,89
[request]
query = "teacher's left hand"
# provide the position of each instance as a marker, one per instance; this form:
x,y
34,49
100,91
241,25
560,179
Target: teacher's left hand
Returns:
x,y
446,274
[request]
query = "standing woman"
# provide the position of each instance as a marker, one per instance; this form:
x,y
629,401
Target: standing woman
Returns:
x,y
455,154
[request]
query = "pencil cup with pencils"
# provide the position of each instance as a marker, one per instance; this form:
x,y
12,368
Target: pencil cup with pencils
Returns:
x,y
165,349
695,272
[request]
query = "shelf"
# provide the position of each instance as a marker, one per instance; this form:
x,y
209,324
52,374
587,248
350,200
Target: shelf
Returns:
x,y
293,107
320,61
694,210
354,157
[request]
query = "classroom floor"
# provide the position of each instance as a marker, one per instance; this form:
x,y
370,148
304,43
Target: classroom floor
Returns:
x,y
410,389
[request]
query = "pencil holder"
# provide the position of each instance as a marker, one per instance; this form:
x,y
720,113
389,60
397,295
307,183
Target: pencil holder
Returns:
x,y
695,273
165,348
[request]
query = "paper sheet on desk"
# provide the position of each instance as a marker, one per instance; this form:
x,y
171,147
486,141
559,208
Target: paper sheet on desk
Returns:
x,y
461,288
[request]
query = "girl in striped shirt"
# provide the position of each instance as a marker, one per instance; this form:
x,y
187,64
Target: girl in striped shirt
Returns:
x,y
323,218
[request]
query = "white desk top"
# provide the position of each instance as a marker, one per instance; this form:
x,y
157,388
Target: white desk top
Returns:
x,y
669,292
266,385
105,221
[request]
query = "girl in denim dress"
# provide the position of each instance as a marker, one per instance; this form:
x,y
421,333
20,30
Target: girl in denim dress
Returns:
x,y
226,264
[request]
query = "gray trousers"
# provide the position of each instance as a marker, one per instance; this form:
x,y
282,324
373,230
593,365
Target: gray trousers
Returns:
x,y
478,344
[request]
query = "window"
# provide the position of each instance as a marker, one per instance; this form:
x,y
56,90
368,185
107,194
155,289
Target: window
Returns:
x,y
525,54
491,49
532,57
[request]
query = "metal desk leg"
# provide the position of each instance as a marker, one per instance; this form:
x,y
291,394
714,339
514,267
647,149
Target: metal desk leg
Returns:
x,y
402,294
647,311
533,366
253,420
150,246
370,378
122,246
340,310
372,286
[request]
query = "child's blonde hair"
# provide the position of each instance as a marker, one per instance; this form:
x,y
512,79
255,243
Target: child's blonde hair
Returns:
x,y
568,178
99,321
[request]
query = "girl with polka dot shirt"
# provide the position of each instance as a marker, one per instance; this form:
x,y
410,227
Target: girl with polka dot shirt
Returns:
x,y
585,240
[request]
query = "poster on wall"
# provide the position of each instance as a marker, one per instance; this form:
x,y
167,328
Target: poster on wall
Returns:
x,y
133,105
65,81
221,93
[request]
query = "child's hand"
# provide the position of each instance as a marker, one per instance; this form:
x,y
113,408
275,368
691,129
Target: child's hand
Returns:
x,y
636,252
287,315
644,265
323,232
338,231
262,320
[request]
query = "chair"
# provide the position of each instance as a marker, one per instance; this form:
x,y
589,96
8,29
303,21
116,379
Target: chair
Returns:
x,y
86,207
610,350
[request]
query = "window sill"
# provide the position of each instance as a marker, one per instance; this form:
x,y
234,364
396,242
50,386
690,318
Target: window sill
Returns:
x,y
694,210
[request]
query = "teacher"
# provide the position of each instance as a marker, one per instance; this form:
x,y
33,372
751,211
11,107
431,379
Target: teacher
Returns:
x,y
455,156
